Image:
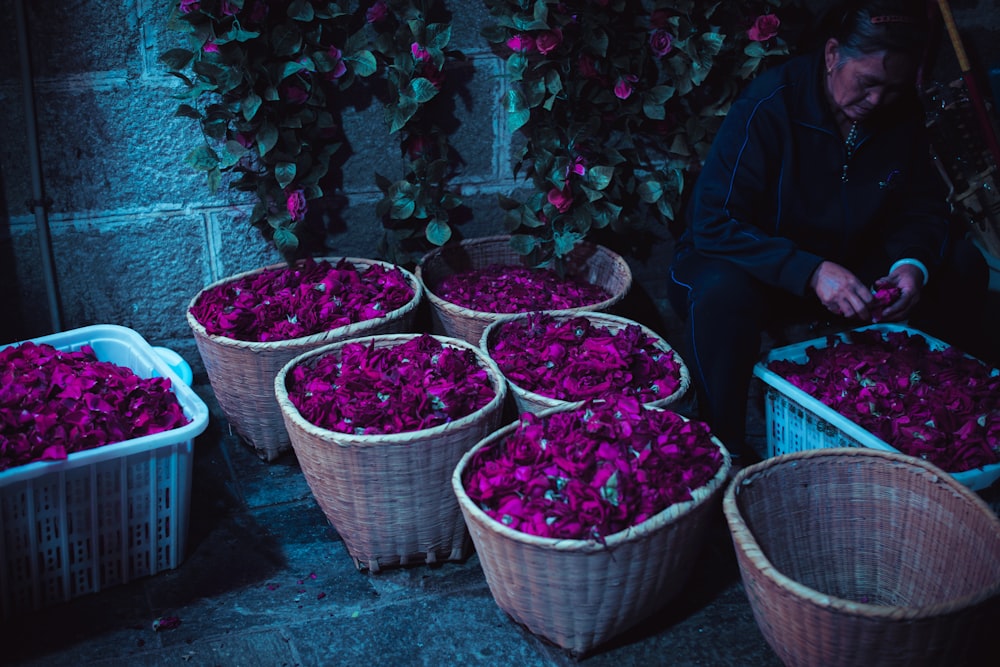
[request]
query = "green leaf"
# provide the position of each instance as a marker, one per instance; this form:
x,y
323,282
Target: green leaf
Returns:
x,y
301,10
382,182
438,232
517,113
665,208
285,40
402,113
363,63
650,191
523,243
516,63
402,209
564,242
267,138
214,180
600,176
228,158
176,59
653,110
284,173
250,105
754,50
187,111
438,35
507,203
609,492
290,68
285,241
423,90
202,158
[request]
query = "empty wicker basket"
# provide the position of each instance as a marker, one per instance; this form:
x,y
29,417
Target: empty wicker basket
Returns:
x,y
579,594
589,262
530,401
855,556
242,372
389,496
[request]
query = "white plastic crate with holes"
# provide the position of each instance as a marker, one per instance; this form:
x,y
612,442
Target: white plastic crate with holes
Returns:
x,y
796,421
103,516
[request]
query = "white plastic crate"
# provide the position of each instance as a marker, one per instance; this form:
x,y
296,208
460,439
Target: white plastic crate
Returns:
x,y
796,421
104,516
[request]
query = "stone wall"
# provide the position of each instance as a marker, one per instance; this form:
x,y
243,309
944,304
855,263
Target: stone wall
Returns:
x,y
135,233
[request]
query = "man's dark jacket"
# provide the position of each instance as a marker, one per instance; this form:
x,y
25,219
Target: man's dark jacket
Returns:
x,y
772,196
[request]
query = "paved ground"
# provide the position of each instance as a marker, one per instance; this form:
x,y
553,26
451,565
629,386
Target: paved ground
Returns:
x,y
267,581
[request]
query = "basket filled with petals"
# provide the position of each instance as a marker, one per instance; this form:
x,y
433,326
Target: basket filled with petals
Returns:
x,y
251,324
474,282
378,425
554,358
588,518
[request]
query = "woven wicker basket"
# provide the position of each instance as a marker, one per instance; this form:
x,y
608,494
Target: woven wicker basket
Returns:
x,y
388,496
530,401
593,263
855,556
578,594
242,372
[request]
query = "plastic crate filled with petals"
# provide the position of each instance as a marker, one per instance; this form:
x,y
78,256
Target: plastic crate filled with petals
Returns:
x,y
97,432
888,387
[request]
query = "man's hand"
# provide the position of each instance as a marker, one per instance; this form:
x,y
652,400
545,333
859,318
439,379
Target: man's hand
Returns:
x,y
841,292
909,279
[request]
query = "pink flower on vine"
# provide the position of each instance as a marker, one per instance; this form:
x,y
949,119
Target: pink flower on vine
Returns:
x,y
625,86
548,40
521,43
228,8
244,140
588,67
210,47
578,167
764,28
419,52
417,145
561,199
297,205
377,12
339,67
188,6
661,42
294,94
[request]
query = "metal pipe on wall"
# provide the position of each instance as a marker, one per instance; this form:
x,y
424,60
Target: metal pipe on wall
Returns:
x,y
37,203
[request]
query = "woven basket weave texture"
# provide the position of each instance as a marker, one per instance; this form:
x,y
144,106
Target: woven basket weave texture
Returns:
x,y
530,401
242,372
589,262
855,556
579,594
389,496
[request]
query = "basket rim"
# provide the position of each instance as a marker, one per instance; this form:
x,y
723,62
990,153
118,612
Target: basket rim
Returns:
x,y
340,332
486,315
745,541
376,439
669,515
566,314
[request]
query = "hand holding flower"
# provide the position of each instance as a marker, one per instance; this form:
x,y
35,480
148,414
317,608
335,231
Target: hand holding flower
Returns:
x,y
908,279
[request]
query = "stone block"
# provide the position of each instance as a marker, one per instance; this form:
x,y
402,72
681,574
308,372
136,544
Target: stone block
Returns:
x,y
120,147
82,38
137,271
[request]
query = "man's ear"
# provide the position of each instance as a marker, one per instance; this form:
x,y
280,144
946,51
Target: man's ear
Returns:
x,y
831,53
